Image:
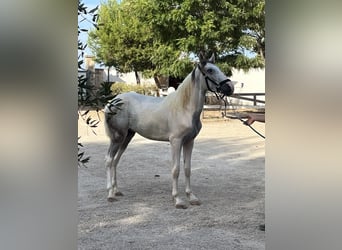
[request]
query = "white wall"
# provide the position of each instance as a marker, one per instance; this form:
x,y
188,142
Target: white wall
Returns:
x,y
128,78
252,81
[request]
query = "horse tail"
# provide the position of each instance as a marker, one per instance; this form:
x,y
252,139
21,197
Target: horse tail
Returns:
x,y
108,125
111,109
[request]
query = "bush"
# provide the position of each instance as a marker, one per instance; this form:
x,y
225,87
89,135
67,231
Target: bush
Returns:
x,y
120,87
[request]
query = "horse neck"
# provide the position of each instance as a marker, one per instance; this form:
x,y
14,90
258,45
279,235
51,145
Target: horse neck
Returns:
x,y
191,93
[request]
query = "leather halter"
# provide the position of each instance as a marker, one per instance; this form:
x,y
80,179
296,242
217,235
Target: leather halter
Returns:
x,y
207,78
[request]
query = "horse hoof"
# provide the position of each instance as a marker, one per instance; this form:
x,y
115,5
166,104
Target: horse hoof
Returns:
x,y
111,199
118,193
196,202
181,205
193,200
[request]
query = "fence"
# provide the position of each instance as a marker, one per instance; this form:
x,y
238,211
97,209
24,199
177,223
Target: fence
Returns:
x,y
253,99
214,107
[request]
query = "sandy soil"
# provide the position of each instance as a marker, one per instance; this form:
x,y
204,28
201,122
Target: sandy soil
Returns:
x,y
227,175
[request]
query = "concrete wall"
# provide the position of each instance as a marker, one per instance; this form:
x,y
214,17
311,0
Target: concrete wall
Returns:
x,y
128,78
252,81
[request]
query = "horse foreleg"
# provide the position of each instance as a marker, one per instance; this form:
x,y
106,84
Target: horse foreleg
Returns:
x,y
187,151
176,145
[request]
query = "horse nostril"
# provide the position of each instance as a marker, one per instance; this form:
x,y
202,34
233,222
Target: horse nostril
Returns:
x,y
227,89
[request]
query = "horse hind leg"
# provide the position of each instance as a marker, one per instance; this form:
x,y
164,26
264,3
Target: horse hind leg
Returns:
x,y
109,163
121,150
118,150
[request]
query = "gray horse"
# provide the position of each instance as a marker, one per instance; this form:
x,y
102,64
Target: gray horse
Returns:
x,y
175,118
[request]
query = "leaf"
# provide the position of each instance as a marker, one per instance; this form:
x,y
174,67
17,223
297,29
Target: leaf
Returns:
x,y
80,155
85,160
95,17
85,113
88,120
93,10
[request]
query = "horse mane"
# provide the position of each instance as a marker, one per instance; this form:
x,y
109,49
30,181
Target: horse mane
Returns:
x,y
183,93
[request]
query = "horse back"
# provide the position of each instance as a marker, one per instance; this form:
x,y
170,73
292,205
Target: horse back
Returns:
x,y
141,114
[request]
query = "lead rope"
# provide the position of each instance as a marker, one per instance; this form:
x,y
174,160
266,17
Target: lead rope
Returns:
x,y
224,114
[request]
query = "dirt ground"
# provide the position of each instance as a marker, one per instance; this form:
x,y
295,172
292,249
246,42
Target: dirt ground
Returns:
x,y
227,175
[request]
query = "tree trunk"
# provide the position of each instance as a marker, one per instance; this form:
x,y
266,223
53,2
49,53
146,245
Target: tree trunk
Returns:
x,y
137,77
156,80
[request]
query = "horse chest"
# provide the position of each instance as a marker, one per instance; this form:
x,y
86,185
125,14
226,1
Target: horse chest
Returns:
x,y
193,130
192,133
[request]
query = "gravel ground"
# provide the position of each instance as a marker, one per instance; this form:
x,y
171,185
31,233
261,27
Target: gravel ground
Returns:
x,y
227,175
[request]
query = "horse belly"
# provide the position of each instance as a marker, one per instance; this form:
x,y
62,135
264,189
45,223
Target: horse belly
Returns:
x,y
152,126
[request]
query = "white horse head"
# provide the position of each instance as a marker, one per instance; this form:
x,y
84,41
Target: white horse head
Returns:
x,y
216,80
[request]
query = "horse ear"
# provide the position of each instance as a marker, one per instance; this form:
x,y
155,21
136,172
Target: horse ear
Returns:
x,y
212,58
201,57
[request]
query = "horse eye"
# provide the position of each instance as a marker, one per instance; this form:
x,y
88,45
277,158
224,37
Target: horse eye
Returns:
x,y
210,71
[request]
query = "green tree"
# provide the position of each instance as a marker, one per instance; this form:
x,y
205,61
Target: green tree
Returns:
x,y
230,29
122,41
160,37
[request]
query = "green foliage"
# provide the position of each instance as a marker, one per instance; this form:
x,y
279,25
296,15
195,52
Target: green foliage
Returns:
x,y
88,16
95,97
122,41
88,96
82,160
161,37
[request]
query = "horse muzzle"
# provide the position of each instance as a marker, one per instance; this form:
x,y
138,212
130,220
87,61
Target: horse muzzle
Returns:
x,y
226,87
